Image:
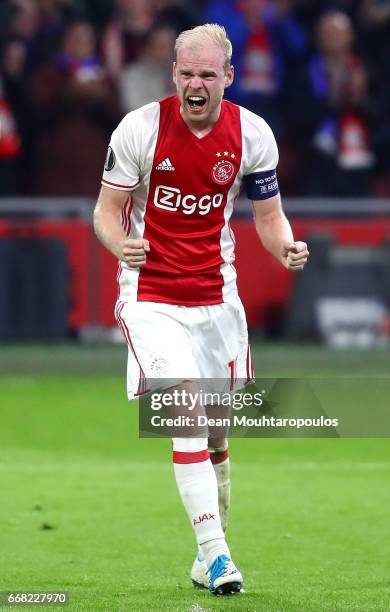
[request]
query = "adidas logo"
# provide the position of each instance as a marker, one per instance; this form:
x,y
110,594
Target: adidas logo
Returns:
x,y
166,165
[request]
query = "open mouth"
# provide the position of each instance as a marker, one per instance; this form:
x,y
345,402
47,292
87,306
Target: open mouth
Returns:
x,y
196,102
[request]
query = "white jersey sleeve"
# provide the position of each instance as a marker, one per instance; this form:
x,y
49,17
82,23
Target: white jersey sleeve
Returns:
x,y
129,149
260,151
260,157
122,166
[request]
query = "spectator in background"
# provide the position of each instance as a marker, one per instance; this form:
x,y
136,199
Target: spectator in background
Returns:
x,y
76,109
24,21
308,12
375,13
16,142
265,38
374,22
174,14
17,94
20,32
9,146
331,114
17,41
96,12
53,18
124,37
150,77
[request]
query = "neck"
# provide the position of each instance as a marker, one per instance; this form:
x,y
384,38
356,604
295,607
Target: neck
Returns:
x,y
200,132
201,128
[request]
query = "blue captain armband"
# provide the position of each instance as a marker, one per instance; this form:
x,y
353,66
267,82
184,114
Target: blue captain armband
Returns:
x,y
261,185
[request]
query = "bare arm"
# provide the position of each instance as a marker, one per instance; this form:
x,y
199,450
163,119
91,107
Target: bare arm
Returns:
x,y
108,229
275,233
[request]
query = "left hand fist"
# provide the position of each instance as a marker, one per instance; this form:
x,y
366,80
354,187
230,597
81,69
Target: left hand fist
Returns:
x,y
294,255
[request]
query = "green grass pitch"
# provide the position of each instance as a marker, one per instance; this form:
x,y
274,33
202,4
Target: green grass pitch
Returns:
x,y
89,508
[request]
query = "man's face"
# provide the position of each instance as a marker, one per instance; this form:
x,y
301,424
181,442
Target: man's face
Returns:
x,y
335,34
201,79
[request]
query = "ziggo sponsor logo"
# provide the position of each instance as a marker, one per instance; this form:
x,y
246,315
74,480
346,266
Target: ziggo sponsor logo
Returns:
x,y
171,198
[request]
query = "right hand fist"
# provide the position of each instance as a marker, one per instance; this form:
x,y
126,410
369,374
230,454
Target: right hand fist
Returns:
x,y
134,252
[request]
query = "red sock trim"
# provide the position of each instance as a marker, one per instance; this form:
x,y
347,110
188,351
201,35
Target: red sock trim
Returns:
x,y
219,457
179,457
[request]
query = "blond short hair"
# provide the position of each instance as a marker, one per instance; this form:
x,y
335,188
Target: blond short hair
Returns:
x,y
209,34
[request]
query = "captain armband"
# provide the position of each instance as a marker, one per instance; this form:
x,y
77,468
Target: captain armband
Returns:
x,y
261,185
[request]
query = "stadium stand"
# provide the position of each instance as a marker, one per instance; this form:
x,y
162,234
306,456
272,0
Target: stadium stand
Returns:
x,y
283,72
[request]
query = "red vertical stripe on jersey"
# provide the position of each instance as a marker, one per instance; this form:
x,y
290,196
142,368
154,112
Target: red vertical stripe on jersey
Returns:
x,y
250,371
118,278
185,208
125,330
126,215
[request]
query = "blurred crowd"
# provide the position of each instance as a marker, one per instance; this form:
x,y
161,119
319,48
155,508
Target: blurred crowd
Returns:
x,y
318,72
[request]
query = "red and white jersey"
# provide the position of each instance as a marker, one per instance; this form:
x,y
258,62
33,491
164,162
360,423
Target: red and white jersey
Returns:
x,y
182,191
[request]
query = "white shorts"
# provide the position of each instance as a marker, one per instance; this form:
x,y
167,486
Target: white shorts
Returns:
x,y
168,344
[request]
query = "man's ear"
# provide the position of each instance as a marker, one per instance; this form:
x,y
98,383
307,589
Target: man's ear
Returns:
x,y
229,78
174,72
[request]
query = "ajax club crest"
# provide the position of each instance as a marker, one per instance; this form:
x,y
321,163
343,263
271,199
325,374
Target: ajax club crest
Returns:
x,y
223,170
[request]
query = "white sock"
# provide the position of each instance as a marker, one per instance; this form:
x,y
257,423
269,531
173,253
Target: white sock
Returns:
x,y
211,550
221,464
197,484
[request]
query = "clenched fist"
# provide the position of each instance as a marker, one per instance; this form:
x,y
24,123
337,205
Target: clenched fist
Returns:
x,y
294,255
134,252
